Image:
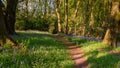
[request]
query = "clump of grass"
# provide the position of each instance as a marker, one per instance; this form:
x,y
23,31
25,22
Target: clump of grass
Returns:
x,y
38,51
99,55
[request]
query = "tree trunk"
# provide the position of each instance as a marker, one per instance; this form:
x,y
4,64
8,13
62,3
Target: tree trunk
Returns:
x,y
45,9
58,15
66,15
86,16
112,31
3,32
107,39
74,16
2,26
11,16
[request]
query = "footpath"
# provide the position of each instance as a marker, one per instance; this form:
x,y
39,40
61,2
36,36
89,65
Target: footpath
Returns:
x,y
77,55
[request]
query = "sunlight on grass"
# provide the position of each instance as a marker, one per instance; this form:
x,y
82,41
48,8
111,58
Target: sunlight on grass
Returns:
x,y
98,55
38,51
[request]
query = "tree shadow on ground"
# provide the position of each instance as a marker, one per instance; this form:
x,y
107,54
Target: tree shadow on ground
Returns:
x,y
106,61
98,55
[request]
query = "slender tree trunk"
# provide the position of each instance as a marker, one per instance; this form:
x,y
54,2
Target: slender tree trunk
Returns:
x,y
66,15
112,31
76,11
45,9
58,15
74,16
11,16
86,18
26,12
40,7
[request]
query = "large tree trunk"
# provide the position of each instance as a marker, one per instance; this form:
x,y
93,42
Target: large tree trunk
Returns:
x,y
58,15
3,32
11,16
107,39
2,26
112,31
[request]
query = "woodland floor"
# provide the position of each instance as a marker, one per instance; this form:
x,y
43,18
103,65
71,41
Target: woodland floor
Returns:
x,y
77,54
58,51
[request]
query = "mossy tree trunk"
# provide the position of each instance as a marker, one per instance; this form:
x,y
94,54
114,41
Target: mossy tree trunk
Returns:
x,y
113,28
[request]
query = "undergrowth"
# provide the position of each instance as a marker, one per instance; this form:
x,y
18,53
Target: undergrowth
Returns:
x,y
38,51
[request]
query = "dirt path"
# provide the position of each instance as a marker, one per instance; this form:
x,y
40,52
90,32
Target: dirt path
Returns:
x,y
76,53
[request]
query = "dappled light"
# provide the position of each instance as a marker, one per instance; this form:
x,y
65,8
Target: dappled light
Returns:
x,y
60,34
99,55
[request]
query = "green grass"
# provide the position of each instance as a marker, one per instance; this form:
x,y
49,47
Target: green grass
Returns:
x,y
38,51
98,55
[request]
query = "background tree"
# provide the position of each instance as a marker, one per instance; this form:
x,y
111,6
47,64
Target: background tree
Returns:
x,y
66,15
58,15
85,17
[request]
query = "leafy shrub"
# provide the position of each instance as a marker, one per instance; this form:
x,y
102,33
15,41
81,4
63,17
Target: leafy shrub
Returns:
x,y
53,25
20,24
33,24
53,28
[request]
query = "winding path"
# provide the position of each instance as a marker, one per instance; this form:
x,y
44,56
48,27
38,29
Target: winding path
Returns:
x,y
76,53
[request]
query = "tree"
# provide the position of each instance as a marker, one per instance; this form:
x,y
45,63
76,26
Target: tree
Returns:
x,y
66,15
113,25
10,16
3,32
75,15
2,26
58,15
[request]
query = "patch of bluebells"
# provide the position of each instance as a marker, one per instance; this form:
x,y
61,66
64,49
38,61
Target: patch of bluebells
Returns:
x,y
71,35
86,37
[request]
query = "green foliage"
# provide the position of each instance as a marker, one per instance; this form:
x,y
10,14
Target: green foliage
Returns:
x,y
98,55
53,28
117,18
38,50
20,25
24,24
53,25
33,24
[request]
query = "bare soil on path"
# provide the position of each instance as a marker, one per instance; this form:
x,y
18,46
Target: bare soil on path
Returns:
x,y
77,54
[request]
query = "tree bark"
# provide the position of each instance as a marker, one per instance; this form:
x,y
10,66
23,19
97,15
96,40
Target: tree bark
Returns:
x,y
2,26
107,39
112,31
3,32
74,16
66,15
11,16
58,15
